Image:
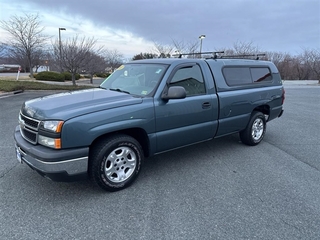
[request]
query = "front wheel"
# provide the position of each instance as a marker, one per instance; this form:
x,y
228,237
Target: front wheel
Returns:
x,y
115,162
255,130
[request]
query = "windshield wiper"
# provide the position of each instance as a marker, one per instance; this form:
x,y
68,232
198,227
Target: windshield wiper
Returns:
x,y
119,90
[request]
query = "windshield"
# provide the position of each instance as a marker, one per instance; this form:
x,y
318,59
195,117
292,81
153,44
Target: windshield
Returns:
x,y
137,79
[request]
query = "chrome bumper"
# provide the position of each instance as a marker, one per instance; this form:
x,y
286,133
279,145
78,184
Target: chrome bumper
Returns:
x,y
71,166
57,165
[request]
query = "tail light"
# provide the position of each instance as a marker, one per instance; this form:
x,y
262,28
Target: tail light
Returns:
x,y
283,95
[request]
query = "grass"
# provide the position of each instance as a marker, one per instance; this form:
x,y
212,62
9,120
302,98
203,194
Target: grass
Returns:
x,y
7,85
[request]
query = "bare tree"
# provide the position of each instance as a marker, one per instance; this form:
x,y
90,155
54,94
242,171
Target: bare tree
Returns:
x,y
113,58
275,57
290,67
163,51
40,58
15,55
180,46
312,59
245,48
300,68
74,53
26,36
192,46
94,64
186,47
284,63
2,49
240,48
144,56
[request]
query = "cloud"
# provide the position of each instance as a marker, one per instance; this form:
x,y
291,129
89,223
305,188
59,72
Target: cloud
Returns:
x,y
273,25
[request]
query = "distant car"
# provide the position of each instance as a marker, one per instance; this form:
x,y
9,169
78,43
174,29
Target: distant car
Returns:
x,y
10,68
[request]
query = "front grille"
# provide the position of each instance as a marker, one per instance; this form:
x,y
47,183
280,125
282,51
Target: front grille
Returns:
x,y
29,122
28,135
29,128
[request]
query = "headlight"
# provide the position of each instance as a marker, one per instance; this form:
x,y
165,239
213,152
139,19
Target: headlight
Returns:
x,y
54,126
50,133
49,142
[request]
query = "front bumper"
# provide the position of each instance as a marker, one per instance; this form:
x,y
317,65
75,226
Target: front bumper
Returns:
x,y
57,165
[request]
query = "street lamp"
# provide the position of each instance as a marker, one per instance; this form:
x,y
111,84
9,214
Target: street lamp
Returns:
x,y
201,37
60,29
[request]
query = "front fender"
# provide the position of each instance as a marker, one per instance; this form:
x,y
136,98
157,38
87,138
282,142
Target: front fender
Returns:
x,y
83,130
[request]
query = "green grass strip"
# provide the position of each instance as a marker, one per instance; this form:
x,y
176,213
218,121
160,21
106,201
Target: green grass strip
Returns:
x,y
13,85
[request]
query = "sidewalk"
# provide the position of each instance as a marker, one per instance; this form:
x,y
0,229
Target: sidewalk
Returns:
x,y
81,82
300,82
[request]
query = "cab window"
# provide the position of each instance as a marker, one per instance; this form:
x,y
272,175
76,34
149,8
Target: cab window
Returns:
x,y
189,77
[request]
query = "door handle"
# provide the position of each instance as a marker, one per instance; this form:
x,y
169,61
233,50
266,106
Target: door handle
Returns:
x,y
206,105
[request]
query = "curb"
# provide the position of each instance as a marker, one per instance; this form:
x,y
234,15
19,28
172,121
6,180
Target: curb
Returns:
x,y
11,93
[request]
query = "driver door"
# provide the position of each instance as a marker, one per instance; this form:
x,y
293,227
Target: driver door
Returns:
x,y
181,122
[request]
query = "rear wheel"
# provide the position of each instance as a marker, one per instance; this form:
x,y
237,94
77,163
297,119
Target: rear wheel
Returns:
x,y
255,130
115,162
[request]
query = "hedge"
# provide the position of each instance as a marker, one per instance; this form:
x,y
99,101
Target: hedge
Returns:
x,y
68,76
55,76
50,76
103,75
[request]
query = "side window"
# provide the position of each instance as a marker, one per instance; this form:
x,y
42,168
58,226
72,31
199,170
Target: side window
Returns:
x,y
260,74
190,78
236,76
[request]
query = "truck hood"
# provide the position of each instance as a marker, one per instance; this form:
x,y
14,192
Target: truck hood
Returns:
x,y
64,106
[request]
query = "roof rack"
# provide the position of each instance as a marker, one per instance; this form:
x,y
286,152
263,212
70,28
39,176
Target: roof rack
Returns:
x,y
217,55
241,56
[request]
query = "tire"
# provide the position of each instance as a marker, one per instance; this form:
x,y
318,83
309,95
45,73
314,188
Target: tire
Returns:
x,y
255,130
115,162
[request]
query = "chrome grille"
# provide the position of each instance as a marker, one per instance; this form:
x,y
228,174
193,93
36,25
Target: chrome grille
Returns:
x,y
29,122
29,128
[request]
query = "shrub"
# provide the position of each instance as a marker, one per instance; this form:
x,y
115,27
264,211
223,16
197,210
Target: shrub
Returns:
x,y
103,75
50,76
68,76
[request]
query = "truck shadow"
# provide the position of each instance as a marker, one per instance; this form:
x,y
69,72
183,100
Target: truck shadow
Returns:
x,y
154,169
189,157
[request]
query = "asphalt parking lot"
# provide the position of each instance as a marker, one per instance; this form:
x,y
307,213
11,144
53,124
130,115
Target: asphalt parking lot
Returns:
x,y
219,189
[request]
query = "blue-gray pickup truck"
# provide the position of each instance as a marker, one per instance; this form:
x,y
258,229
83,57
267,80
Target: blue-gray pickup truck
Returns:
x,y
144,108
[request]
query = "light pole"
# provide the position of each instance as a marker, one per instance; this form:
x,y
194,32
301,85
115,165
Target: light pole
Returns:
x,y
201,37
60,29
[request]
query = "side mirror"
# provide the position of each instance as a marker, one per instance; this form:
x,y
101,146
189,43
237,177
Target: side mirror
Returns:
x,y
174,92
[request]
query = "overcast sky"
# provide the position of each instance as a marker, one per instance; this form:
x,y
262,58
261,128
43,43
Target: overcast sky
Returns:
x,y
132,26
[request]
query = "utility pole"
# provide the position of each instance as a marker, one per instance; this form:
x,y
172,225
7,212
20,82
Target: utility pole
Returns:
x,y
201,37
60,55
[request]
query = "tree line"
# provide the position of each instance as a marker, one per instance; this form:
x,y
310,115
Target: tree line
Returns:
x,y
303,66
30,48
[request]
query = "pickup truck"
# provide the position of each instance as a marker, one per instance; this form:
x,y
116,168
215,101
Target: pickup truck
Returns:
x,y
144,108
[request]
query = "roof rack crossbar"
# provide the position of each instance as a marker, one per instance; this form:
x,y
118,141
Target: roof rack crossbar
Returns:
x,y
179,55
215,55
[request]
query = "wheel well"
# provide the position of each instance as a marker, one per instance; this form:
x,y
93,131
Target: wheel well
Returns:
x,y
265,109
137,133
